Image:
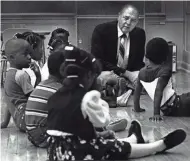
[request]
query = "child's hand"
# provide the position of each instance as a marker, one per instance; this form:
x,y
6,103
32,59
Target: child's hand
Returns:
x,y
35,68
156,118
139,110
107,134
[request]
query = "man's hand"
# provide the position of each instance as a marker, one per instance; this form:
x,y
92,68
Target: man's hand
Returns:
x,y
156,118
132,76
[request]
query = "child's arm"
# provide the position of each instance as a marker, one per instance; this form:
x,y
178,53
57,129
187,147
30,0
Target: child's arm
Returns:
x,y
136,97
6,120
36,70
23,80
161,84
106,134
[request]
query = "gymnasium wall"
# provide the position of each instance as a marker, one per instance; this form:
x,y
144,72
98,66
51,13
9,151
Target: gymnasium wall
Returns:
x,y
167,19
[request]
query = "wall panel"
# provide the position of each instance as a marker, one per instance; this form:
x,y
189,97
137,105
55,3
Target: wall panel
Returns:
x,y
38,6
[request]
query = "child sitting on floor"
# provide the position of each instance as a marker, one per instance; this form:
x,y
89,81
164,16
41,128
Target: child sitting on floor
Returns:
x,y
156,78
74,111
59,38
17,82
36,42
36,110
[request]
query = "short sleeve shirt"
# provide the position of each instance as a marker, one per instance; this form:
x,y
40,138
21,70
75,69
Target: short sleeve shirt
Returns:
x,y
17,86
149,76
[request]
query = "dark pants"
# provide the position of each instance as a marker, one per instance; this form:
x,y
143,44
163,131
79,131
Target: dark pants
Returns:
x,y
38,136
179,107
184,104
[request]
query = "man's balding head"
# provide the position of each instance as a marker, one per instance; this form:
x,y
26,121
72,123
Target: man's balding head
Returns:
x,y
128,18
131,8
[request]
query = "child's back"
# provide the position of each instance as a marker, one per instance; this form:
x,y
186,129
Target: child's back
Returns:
x,y
17,85
156,78
36,109
149,76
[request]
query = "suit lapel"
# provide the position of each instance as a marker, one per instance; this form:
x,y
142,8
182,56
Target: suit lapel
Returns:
x,y
113,39
114,32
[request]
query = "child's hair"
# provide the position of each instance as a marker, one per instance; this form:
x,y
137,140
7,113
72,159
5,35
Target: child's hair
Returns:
x,y
157,50
53,37
14,46
33,38
54,63
56,44
77,63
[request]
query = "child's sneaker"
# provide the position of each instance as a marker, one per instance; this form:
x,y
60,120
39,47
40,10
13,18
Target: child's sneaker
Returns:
x,y
121,86
123,99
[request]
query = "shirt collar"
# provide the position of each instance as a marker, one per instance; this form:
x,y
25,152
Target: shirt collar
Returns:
x,y
120,33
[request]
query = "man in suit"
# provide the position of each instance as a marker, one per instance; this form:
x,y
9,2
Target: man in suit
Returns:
x,y
106,46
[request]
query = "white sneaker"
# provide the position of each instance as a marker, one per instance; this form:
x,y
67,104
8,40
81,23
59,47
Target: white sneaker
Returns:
x,y
123,99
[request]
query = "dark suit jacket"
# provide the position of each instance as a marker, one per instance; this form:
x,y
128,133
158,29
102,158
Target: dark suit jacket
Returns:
x,y
104,47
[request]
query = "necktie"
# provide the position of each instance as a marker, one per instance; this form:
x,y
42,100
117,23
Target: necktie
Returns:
x,y
122,46
121,51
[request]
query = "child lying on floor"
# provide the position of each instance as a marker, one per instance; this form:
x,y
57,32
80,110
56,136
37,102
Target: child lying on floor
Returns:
x,y
75,111
156,78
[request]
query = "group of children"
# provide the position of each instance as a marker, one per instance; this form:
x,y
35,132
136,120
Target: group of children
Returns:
x,y
62,113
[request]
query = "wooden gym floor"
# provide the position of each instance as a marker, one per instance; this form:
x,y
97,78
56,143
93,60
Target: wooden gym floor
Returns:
x,y
16,147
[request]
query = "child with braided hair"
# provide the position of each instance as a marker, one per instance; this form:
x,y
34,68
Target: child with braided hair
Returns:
x,y
76,109
35,40
58,33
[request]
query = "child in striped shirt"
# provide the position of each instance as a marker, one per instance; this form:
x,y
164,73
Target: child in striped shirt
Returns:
x,y
36,110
